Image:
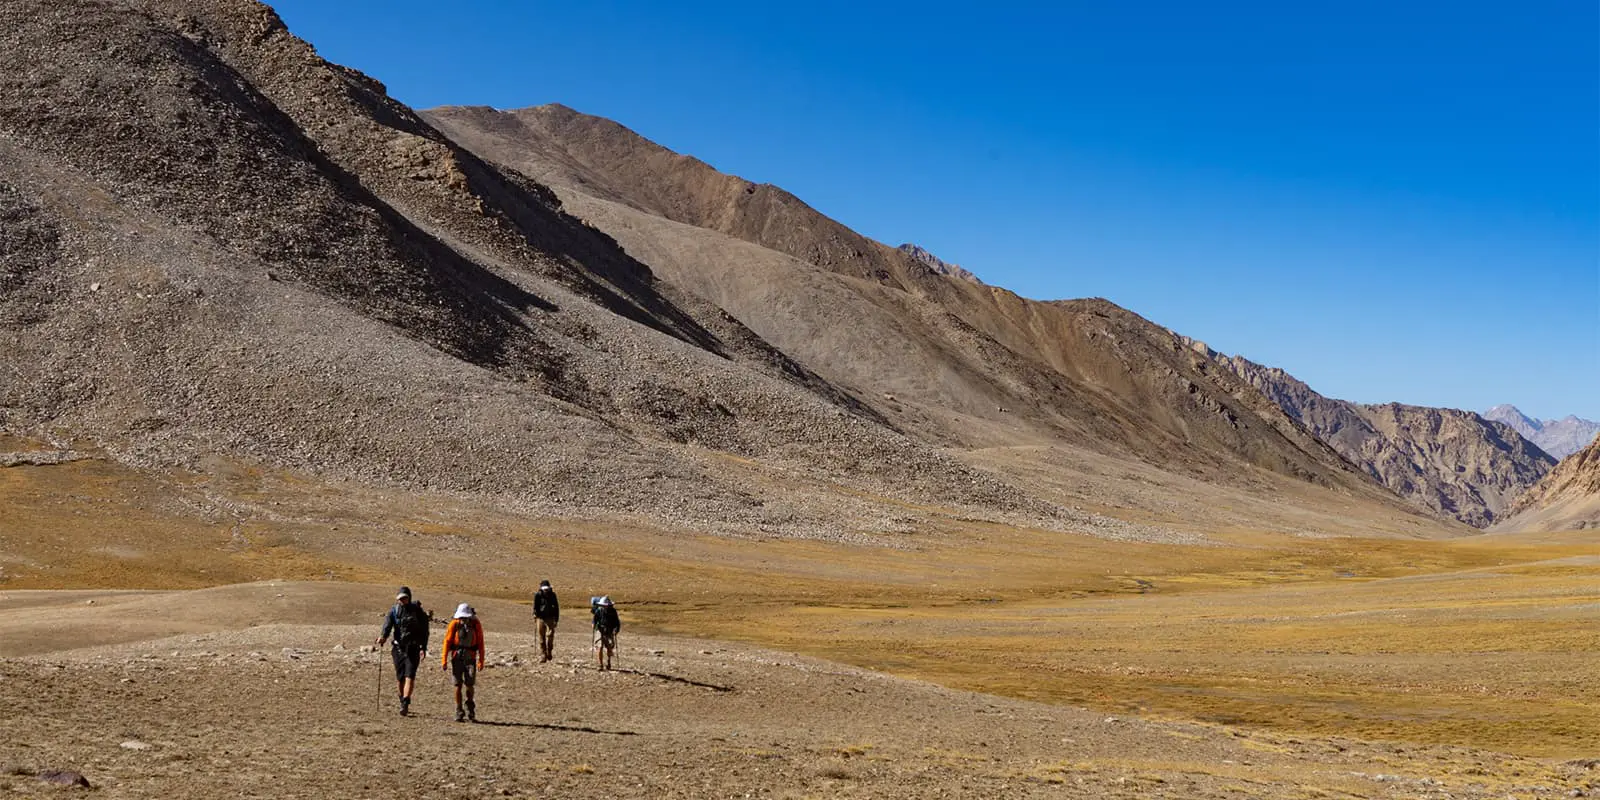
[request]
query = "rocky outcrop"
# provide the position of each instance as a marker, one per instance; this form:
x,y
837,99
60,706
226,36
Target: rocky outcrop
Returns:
x,y
1558,437
1454,463
920,254
1567,498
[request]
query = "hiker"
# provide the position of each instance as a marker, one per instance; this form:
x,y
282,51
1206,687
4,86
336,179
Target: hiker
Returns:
x,y
409,625
463,656
546,613
606,625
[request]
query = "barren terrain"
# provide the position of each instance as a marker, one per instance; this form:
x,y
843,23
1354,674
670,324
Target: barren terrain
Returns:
x,y
971,660
272,344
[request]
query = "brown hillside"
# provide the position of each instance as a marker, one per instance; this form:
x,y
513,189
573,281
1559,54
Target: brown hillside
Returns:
x,y
221,247
1454,463
558,145
218,243
1568,497
964,362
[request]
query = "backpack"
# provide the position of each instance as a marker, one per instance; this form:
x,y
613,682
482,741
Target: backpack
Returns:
x,y
410,625
466,634
606,619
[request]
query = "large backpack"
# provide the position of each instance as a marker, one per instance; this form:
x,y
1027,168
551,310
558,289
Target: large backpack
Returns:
x,y
410,625
466,634
606,619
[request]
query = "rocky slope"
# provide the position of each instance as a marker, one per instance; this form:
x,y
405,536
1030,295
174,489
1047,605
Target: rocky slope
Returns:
x,y
1558,437
560,146
220,247
952,359
1568,497
218,243
1454,463
937,264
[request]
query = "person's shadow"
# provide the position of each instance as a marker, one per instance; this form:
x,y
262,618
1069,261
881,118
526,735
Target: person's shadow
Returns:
x,y
551,726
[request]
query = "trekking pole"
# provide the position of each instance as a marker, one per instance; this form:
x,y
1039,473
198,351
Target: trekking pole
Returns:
x,y
380,684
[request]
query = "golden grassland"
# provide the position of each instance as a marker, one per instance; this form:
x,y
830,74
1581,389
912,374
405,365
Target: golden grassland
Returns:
x,y
1487,641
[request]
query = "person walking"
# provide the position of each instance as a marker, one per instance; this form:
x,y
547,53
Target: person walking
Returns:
x,y
606,625
407,622
463,656
546,613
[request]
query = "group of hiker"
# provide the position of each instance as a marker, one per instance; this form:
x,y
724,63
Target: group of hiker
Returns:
x,y
405,627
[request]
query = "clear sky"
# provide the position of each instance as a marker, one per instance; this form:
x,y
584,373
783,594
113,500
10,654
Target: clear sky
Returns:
x,y
1393,201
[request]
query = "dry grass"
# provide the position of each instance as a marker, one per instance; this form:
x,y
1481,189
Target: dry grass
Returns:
x,y
1485,642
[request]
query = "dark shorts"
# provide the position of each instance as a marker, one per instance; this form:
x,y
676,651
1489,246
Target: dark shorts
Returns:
x,y
464,666
406,661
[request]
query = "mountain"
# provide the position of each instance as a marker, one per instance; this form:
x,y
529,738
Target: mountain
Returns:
x,y
937,264
218,244
1454,463
1558,437
1568,497
947,359
222,252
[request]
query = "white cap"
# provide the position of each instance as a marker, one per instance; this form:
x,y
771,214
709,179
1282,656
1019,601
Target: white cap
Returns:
x,y
463,611
605,600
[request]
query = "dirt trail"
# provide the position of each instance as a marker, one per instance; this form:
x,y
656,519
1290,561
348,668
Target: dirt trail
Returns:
x,y
302,710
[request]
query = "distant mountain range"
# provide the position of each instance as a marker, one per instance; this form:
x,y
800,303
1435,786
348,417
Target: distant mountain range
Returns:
x,y
1558,437
214,244
1454,463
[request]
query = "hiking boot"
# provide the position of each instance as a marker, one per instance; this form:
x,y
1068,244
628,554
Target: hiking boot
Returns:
x,y
461,715
405,706
472,711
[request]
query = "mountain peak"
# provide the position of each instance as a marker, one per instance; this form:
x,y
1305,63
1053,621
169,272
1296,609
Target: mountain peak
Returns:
x,y
1558,437
921,255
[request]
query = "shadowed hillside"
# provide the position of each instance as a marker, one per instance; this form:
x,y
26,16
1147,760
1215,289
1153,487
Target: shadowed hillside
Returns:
x,y
964,362
218,243
222,247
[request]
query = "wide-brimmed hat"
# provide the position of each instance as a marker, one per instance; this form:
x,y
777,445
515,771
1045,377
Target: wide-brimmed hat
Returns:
x,y
404,592
463,611
605,600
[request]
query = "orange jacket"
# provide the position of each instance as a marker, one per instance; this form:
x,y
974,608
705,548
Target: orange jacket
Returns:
x,y
453,633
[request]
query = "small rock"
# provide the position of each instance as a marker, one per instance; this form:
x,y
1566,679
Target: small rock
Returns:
x,y
88,602
339,648
126,680
94,287
658,652
61,777
134,744
1113,719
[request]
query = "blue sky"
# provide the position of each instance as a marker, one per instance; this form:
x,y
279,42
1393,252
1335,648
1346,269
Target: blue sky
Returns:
x,y
1393,201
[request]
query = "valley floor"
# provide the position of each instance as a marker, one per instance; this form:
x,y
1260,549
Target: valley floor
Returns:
x,y
220,620
302,710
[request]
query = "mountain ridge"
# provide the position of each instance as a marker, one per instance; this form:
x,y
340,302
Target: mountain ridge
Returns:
x,y
962,320
1452,462
222,248
1558,437
1567,498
